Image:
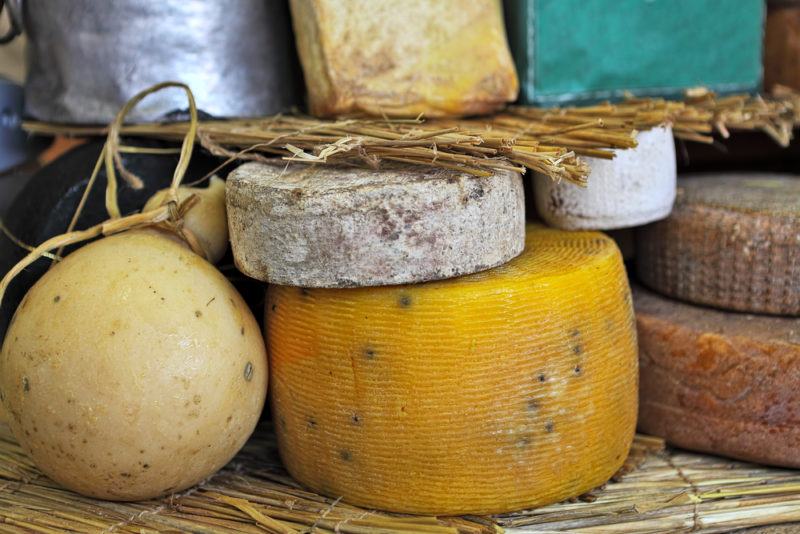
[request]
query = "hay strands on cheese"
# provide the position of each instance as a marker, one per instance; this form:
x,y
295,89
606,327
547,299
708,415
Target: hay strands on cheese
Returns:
x,y
547,141
699,115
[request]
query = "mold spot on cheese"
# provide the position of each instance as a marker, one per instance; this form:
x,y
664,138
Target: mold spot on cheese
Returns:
x,y
404,301
345,455
369,353
476,192
56,299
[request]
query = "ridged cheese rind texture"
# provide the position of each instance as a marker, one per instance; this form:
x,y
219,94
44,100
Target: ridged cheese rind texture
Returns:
x,y
719,382
501,390
382,57
634,188
732,242
327,226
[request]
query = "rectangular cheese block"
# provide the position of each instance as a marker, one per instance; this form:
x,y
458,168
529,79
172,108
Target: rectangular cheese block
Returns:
x,y
584,50
383,57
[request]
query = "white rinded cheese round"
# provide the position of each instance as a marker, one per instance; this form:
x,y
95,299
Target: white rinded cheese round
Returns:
x,y
634,188
325,226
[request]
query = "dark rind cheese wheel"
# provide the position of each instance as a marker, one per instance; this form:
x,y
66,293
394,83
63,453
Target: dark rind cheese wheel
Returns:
x,y
719,382
732,241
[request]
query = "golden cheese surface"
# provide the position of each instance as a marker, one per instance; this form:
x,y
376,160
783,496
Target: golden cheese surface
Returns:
x,y
500,390
440,58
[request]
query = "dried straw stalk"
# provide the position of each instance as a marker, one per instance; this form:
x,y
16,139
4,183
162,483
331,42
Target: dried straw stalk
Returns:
x,y
667,492
545,140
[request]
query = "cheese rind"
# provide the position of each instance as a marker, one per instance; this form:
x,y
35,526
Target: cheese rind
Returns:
x,y
506,389
732,242
344,227
383,57
636,187
719,382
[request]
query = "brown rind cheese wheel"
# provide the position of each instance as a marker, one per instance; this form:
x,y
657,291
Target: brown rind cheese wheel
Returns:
x,y
719,382
732,242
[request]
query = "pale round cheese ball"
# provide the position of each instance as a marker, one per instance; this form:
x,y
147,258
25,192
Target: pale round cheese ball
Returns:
x,y
132,369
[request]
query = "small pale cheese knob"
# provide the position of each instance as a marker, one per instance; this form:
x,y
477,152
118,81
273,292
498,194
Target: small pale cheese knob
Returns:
x,y
206,219
511,388
636,187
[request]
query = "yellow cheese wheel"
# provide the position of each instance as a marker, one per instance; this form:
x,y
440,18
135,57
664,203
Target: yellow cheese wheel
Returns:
x,y
510,388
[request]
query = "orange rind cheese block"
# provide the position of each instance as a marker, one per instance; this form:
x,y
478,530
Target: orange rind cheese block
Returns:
x,y
501,390
384,57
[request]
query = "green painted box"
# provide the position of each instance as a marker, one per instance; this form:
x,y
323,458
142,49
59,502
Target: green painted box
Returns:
x,y
588,50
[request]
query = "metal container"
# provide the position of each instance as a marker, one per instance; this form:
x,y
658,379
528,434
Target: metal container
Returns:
x,y
86,58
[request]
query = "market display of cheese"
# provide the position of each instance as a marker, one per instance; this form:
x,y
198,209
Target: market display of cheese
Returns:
x,y
719,382
323,226
634,188
732,242
511,388
392,58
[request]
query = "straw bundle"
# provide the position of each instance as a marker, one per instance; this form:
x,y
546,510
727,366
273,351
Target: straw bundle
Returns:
x,y
667,492
364,142
546,140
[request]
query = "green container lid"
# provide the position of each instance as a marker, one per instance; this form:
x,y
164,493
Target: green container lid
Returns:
x,y
588,50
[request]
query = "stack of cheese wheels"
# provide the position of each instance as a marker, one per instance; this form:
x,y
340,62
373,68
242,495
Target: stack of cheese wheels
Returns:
x,y
722,381
634,188
732,242
510,388
321,226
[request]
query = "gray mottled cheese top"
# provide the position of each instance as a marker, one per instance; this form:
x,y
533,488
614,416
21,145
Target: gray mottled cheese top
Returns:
x,y
777,194
339,226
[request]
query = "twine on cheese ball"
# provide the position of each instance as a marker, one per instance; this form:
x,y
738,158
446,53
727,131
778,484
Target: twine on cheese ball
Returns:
x,y
168,216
